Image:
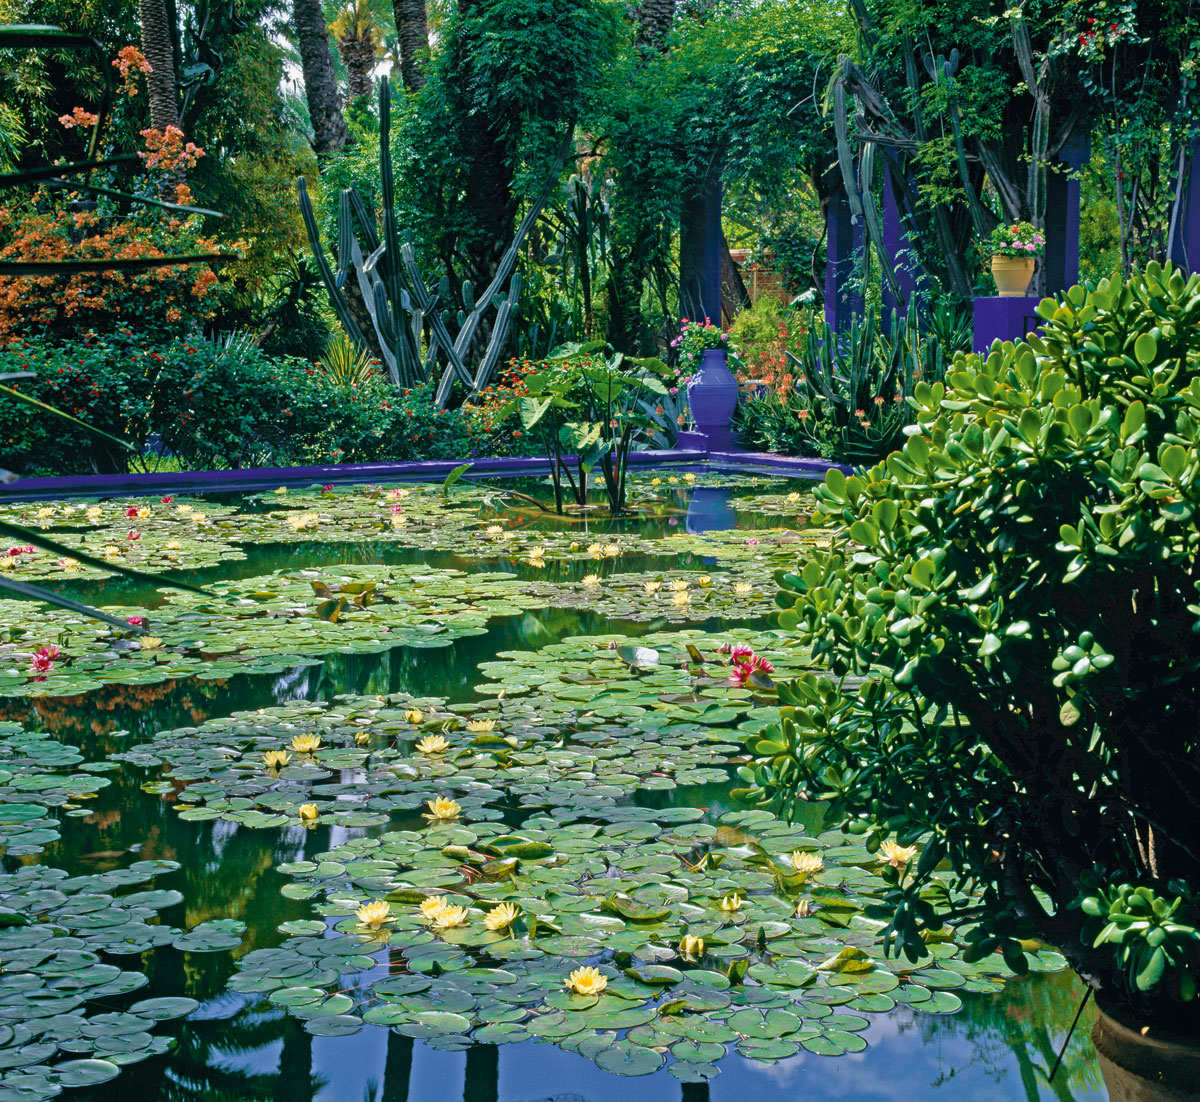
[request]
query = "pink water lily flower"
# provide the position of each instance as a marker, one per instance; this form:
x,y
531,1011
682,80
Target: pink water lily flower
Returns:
x,y
133,534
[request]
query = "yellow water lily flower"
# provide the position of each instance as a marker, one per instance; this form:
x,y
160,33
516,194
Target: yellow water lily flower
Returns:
x,y
69,565
807,863
448,917
479,726
276,759
414,716
586,981
500,917
361,737
652,587
306,744
592,580
673,480
742,588
442,807
704,581
895,854
303,522
184,508
173,545
536,555
431,906
731,903
8,564
610,550
793,497
307,812
46,511
804,908
374,914
493,530
595,550
689,477
399,520
680,585
281,490
656,482
150,642
432,744
94,512
112,551
691,947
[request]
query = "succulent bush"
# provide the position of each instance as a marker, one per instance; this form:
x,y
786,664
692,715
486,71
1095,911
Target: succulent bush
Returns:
x,y
1011,625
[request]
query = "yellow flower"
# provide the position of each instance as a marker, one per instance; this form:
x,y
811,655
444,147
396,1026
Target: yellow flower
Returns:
x,y
673,480
536,556
500,917
173,545
93,513
150,642
144,511
691,947
683,597
807,863
793,497
361,737
478,726
112,551
895,854
731,903
493,530
69,565
46,511
742,588
306,744
302,522
307,812
587,981
448,916
704,581
652,587
689,477
679,585
804,908
276,759
8,564
656,482
281,490
431,906
610,550
399,520
592,580
374,914
414,716
183,509
442,807
595,550
432,744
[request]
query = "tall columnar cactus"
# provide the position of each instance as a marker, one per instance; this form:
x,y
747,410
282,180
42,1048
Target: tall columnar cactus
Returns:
x,y
401,307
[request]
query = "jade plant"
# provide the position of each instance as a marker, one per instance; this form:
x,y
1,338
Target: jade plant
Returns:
x,y
1010,625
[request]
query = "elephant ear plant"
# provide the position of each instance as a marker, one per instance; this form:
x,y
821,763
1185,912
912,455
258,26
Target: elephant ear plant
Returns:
x,y
1010,622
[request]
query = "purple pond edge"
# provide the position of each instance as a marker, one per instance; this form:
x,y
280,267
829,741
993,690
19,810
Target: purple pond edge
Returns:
x,y
428,470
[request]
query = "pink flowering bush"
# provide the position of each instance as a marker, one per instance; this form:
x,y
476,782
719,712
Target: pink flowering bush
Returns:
x,y
1020,239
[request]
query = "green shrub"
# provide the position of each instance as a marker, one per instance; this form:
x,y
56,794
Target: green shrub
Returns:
x,y
1019,586
213,404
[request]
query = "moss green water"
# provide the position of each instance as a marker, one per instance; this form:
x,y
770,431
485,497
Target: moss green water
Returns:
x,y
606,767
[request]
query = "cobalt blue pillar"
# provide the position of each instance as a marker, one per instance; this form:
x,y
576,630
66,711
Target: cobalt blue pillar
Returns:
x,y
700,254
903,256
843,242
1061,260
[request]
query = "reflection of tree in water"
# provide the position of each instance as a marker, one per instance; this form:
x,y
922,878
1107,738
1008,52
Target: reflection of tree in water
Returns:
x,y
1026,1025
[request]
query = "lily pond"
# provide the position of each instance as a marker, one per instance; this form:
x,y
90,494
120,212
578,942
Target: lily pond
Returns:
x,y
427,796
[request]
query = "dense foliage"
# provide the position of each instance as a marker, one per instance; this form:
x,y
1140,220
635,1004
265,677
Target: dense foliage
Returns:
x,y
1018,587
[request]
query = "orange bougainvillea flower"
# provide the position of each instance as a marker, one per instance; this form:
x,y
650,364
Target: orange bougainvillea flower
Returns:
x,y
78,117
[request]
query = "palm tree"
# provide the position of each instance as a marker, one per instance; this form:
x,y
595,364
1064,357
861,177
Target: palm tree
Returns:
x,y
412,29
358,39
654,19
320,83
157,36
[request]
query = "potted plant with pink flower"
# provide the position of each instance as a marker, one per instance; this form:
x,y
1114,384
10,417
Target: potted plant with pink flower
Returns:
x,y
704,352
1015,249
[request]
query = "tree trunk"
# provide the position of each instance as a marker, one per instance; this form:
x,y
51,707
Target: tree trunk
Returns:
x,y
654,19
358,55
157,46
412,29
320,84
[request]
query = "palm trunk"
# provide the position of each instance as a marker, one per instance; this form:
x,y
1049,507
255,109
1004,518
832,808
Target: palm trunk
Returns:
x,y
320,84
358,55
157,46
412,29
654,19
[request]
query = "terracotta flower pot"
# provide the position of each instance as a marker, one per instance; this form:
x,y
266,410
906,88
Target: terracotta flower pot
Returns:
x,y
1012,275
1144,1063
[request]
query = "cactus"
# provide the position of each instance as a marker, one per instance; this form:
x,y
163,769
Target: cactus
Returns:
x,y
401,307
